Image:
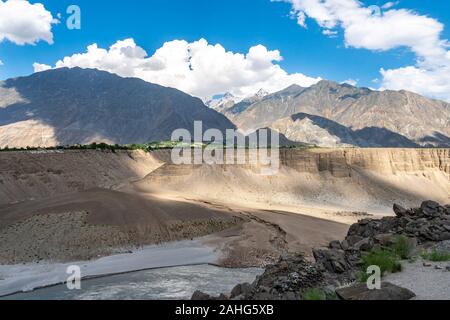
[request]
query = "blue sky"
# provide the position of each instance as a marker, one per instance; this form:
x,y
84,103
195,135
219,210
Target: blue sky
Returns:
x,y
236,25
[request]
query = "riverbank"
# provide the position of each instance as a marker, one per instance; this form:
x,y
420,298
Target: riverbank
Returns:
x,y
174,283
410,249
27,277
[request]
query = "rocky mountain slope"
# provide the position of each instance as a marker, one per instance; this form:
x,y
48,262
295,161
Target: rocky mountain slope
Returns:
x,y
421,120
228,103
322,132
222,102
71,106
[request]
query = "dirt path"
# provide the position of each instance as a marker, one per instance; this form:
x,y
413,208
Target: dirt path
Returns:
x,y
268,234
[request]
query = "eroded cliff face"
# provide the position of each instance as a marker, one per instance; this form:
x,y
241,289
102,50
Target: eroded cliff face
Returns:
x,y
347,179
35,175
340,162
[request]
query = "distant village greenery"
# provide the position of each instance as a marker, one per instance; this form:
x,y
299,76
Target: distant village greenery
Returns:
x,y
100,146
147,147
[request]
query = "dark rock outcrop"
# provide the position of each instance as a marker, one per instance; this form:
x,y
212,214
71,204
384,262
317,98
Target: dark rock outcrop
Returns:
x,y
285,280
388,291
430,222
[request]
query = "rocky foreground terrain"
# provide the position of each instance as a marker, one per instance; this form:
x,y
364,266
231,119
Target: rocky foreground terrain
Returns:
x,y
337,271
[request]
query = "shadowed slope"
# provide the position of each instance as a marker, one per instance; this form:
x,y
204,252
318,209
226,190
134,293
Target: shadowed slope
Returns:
x,y
71,106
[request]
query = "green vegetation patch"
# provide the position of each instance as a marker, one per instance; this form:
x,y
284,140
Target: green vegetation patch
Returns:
x,y
318,294
403,247
436,255
386,259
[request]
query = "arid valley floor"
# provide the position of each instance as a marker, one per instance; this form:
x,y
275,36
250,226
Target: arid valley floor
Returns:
x,y
64,206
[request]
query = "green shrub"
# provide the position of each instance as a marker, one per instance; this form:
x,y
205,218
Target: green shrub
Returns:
x,y
436,255
387,260
315,294
362,276
403,247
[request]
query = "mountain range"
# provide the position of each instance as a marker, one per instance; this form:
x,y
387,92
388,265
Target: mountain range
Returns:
x,y
387,114
78,106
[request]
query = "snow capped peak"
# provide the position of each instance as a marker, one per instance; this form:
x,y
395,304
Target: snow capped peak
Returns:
x,y
219,101
261,93
228,96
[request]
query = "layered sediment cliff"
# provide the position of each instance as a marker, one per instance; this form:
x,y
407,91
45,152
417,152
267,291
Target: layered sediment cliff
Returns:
x,y
364,179
339,162
350,179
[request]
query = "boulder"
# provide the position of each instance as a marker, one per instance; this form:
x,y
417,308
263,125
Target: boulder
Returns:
x,y
365,244
291,274
447,209
429,204
352,240
444,236
400,211
388,291
387,224
201,296
335,245
431,209
405,220
331,259
243,289
443,246
345,245
384,239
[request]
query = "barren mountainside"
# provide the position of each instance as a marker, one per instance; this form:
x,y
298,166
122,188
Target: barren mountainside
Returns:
x,y
322,132
71,106
421,120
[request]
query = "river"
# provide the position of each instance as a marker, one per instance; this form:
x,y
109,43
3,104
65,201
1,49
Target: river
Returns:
x,y
175,283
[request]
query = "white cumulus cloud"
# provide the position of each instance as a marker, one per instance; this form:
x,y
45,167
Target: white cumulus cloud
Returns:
x,y
198,68
351,82
389,4
382,29
434,82
24,23
38,67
